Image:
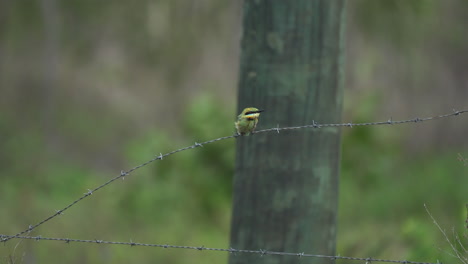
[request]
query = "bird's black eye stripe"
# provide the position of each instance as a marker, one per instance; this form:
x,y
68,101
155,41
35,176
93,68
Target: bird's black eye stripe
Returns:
x,y
253,112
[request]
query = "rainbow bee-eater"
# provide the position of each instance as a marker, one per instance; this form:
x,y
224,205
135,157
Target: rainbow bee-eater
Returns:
x,y
247,121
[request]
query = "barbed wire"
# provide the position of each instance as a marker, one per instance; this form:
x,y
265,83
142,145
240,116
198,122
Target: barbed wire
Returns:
x,y
388,122
196,145
261,252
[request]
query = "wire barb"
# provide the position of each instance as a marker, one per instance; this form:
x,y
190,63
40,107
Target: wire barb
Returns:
x,y
315,125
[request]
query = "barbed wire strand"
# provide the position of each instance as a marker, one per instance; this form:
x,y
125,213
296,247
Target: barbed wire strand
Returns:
x,y
261,252
275,129
388,122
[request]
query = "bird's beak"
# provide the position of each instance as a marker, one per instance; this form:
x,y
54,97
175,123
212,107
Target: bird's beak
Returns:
x,y
259,111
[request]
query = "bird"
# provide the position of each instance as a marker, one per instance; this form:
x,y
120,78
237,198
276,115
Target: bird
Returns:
x,y
247,121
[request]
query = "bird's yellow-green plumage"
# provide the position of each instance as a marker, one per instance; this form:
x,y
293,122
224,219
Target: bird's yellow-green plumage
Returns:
x,y
247,121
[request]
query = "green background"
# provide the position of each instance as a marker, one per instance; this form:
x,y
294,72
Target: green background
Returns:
x,y
92,88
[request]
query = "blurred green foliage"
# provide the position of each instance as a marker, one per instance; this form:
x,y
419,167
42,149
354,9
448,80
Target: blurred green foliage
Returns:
x,y
383,190
112,113
185,199
389,19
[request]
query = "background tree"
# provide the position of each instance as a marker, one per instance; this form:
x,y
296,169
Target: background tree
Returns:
x,y
286,186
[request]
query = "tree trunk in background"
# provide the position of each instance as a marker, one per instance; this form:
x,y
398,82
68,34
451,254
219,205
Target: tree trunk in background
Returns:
x,y
50,16
4,13
286,184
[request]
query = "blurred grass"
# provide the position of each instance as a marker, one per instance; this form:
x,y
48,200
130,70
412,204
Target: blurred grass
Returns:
x,y
383,190
185,199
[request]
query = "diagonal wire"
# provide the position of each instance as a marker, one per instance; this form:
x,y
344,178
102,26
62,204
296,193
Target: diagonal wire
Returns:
x,y
276,129
388,122
122,174
261,252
